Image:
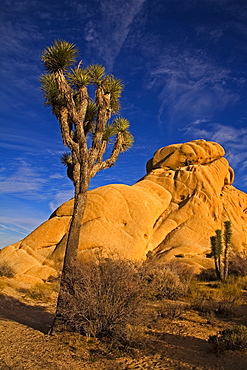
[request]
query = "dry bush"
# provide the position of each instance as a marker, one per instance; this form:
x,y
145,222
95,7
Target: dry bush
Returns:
x,y
171,310
230,339
102,298
6,270
161,281
237,265
207,275
182,269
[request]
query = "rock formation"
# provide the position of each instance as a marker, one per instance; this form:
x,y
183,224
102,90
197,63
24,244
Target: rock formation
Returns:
x,y
172,211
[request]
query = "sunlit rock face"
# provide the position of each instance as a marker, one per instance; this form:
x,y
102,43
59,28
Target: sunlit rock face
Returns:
x,y
172,211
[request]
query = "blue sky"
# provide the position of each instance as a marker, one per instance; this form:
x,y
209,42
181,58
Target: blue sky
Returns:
x,y
183,64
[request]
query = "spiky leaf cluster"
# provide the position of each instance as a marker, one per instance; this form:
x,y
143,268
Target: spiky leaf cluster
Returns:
x,y
128,140
219,246
119,125
66,159
52,97
91,112
78,78
113,87
227,232
213,244
60,56
96,73
109,132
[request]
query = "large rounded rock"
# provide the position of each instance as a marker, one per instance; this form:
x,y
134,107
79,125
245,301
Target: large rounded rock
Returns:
x,y
186,195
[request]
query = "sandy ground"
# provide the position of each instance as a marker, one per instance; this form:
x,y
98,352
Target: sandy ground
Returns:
x,y
166,344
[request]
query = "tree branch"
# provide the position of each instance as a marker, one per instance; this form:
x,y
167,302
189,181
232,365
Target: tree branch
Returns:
x,y
104,113
76,117
65,130
118,148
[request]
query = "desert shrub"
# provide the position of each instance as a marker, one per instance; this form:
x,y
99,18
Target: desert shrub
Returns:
x,y
243,282
237,265
6,270
207,275
230,339
221,300
182,269
171,310
102,298
39,292
160,282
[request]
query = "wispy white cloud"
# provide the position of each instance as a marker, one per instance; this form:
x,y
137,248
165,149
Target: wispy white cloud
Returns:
x,y
15,224
212,33
56,176
109,33
24,180
12,229
30,142
191,84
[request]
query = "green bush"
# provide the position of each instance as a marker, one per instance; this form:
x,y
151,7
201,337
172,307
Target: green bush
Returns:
x,y
6,270
230,339
221,300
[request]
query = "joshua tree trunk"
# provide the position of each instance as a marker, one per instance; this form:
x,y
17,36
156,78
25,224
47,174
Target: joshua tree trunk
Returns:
x,y
217,267
69,258
75,226
226,264
81,182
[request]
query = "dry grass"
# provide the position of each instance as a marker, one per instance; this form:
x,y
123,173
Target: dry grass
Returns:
x,y
41,292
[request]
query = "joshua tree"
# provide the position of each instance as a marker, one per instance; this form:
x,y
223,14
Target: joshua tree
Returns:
x,y
221,267
87,127
216,249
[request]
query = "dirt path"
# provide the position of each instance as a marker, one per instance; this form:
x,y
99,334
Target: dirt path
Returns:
x,y
177,344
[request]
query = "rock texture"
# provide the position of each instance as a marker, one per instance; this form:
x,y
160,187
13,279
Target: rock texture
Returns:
x,y
185,196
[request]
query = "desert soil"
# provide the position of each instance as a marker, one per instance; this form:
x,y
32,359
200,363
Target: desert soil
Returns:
x,y
166,344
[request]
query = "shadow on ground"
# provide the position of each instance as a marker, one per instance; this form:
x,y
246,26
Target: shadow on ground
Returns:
x,y
187,352
36,317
